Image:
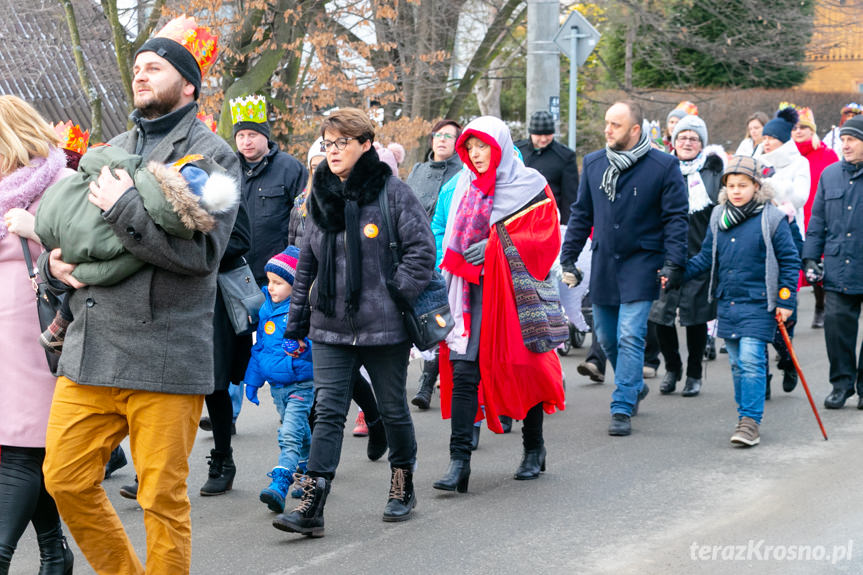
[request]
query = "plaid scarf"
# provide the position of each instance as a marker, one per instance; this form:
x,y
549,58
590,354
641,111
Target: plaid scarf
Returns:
x,y
732,215
620,161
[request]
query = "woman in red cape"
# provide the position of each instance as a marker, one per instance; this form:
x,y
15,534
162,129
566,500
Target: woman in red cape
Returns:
x,y
484,356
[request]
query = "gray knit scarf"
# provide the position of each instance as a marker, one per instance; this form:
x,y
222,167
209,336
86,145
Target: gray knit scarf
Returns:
x,y
619,162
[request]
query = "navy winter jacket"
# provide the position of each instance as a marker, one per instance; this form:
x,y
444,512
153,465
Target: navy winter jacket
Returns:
x,y
269,361
739,275
633,236
836,227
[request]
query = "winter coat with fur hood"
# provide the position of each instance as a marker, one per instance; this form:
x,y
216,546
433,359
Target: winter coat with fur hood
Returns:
x,y
753,268
377,321
66,219
791,180
153,331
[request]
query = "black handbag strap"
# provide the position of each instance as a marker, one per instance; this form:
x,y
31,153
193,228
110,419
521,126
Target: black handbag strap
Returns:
x,y
28,259
392,236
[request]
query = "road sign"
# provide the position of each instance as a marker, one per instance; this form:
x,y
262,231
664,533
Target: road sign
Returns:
x,y
586,37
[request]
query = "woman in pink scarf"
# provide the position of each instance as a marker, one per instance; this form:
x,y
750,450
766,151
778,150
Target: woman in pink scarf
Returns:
x,y
30,161
485,355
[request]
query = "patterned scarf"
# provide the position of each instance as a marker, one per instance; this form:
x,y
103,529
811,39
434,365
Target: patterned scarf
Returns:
x,y
472,223
691,170
23,186
733,215
620,161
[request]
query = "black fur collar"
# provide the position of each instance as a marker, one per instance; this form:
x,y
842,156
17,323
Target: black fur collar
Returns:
x,y
364,183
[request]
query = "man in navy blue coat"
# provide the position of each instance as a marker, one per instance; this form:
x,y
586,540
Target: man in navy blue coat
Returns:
x,y
634,199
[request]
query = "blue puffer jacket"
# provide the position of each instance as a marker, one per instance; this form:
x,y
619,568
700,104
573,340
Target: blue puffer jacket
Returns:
x,y
836,227
269,361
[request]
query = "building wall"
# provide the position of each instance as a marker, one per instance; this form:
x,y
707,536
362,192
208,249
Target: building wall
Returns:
x,y
835,54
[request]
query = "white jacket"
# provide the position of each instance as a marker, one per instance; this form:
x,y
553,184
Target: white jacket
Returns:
x,y
791,180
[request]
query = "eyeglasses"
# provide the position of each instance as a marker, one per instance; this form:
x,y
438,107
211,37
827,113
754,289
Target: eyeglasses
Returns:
x,y
688,139
340,144
443,136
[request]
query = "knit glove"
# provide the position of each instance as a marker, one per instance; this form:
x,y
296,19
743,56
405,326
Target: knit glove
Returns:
x,y
572,276
475,253
672,273
814,271
252,394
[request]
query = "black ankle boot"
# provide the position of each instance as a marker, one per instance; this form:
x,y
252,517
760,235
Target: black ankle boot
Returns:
x,y
222,472
532,463
474,438
456,478
55,556
402,498
377,445
427,380
308,517
115,462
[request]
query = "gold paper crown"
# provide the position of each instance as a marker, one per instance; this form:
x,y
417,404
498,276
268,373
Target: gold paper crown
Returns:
x,y
249,109
72,137
196,39
208,120
805,115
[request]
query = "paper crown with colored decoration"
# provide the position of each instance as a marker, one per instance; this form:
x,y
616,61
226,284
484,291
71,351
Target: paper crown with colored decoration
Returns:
x,y
198,40
688,107
804,114
208,120
249,109
72,137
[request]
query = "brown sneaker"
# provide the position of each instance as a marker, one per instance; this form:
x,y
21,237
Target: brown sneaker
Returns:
x,y
746,433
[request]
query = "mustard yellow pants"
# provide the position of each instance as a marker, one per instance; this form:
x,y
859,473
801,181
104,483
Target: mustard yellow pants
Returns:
x,y
85,424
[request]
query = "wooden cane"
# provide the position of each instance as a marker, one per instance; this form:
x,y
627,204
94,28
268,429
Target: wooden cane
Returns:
x,y
800,373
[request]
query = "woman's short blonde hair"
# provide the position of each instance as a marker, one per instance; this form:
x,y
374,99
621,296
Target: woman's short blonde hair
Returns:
x,y
24,134
352,123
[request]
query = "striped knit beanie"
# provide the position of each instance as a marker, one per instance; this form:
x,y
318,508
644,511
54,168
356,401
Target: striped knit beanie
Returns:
x,y
284,264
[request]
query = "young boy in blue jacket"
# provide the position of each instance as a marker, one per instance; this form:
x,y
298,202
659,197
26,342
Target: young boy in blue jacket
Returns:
x,y
289,373
753,265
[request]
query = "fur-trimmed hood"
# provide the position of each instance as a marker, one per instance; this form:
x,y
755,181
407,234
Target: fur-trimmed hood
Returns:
x,y
219,194
364,183
763,194
715,158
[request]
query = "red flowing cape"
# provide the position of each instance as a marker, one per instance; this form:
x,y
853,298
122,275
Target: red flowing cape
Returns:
x,y
512,378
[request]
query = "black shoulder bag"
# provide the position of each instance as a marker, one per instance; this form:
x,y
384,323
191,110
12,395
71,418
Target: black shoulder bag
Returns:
x,y
47,303
430,320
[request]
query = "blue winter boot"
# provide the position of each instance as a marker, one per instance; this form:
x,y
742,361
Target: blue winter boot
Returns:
x,y
296,488
274,495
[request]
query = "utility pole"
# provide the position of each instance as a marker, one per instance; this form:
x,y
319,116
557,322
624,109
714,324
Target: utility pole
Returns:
x,y
543,56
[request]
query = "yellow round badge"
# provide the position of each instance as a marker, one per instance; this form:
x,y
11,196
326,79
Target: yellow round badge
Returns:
x,y
270,328
784,293
370,231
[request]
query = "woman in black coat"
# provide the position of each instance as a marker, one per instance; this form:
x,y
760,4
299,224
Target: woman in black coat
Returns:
x,y
702,168
349,302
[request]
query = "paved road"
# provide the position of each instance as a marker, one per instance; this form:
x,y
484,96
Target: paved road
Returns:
x,y
673,498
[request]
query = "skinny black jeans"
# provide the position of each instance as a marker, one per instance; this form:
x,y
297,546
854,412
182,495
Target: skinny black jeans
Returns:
x,y
335,367
23,498
465,402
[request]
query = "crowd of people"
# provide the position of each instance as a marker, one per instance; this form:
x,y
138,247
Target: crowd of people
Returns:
x,y
133,238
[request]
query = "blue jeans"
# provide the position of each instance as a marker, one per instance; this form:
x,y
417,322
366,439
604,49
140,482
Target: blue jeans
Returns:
x,y
749,371
294,402
235,390
621,330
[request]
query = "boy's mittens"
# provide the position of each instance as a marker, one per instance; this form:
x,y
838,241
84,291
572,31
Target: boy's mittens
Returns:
x,y
252,394
814,271
572,276
673,275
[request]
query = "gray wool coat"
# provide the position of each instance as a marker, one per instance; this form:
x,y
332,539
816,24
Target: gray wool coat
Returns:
x,y
153,331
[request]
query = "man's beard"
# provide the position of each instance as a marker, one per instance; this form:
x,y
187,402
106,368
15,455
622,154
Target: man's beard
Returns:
x,y
161,103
